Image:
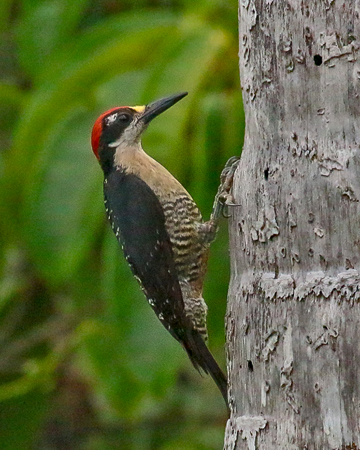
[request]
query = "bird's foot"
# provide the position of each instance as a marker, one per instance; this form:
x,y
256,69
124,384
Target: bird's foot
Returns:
x,y
224,198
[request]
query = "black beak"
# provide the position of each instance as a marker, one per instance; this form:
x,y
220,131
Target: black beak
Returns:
x,y
155,108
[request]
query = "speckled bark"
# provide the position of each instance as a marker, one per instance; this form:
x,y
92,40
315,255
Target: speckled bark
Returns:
x,y
293,322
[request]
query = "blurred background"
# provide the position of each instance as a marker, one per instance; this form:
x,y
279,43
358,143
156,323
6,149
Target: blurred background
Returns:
x,y
84,362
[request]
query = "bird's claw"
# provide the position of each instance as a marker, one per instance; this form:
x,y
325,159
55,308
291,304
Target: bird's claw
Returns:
x,y
224,198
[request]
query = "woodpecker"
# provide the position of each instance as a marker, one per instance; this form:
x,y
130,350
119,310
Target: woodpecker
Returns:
x,y
163,236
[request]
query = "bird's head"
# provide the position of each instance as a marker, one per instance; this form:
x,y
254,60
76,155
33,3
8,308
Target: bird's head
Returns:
x,y
123,125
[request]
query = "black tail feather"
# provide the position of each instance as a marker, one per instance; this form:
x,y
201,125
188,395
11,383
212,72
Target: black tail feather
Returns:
x,y
201,358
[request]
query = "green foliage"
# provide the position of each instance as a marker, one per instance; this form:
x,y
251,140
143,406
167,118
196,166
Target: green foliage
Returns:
x,y
83,360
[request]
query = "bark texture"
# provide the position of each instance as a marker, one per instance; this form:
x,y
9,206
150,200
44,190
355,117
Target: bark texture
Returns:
x,y
293,321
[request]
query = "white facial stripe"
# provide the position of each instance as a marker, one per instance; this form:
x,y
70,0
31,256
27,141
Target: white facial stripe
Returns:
x,y
111,119
116,143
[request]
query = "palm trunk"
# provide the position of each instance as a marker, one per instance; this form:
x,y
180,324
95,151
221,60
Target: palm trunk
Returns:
x,y
293,321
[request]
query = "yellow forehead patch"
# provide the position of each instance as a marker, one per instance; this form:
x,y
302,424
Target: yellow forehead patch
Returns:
x,y
139,109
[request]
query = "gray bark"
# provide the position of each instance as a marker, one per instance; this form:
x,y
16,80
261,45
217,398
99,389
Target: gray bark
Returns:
x,y
293,320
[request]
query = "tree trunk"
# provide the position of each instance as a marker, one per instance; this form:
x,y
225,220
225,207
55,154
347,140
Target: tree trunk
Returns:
x,y
293,320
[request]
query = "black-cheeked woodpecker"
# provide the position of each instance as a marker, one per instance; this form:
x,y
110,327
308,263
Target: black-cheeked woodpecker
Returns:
x,y
159,227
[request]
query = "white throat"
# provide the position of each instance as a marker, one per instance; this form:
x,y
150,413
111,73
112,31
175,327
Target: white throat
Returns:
x,y
126,151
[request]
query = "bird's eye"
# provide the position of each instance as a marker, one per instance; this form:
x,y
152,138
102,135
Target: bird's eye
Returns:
x,y
124,118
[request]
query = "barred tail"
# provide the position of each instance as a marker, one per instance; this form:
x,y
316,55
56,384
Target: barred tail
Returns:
x,y
201,358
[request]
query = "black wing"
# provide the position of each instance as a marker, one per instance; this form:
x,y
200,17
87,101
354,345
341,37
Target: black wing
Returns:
x,y
138,221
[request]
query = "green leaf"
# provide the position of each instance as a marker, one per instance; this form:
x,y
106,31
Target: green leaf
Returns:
x,y
43,27
5,11
20,420
184,65
63,203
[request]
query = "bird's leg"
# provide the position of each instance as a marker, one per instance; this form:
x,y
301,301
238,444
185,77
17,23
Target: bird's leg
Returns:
x,y
223,199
